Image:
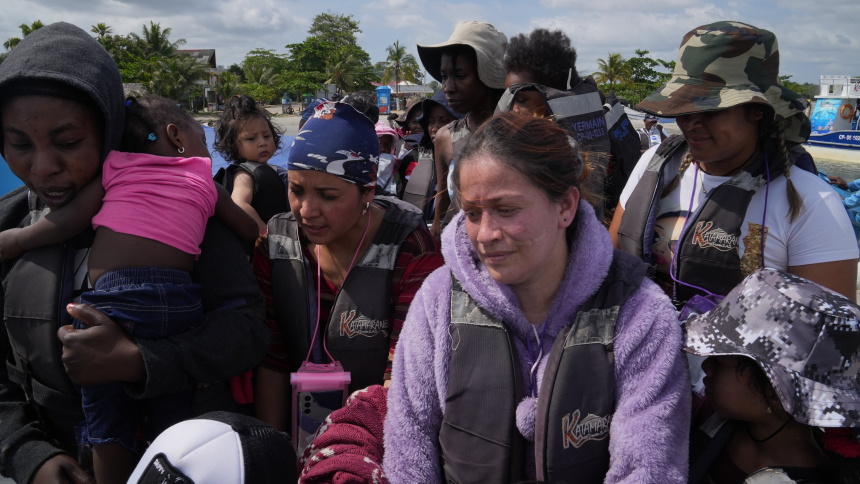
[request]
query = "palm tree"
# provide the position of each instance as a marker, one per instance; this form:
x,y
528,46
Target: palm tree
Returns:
x,y
228,85
341,69
101,29
398,65
26,30
262,75
615,69
11,42
155,41
172,77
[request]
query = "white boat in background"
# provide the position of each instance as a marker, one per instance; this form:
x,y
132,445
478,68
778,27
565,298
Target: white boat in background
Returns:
x,y
835,116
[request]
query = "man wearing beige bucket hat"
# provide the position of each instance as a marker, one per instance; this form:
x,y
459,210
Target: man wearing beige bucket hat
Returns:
x,y
748,199
470,66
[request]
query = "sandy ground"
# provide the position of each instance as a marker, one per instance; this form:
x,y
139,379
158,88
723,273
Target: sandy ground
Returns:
x,y
288,123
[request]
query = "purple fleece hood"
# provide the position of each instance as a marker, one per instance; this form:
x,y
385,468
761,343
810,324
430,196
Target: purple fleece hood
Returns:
x,y
650,427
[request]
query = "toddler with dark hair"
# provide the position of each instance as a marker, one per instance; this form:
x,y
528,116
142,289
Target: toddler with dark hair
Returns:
x,y
246,137
150,208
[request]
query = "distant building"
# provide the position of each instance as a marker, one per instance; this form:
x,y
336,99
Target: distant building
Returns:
x,y
207,56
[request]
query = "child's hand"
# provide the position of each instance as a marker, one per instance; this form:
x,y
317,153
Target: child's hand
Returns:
x,y
9,247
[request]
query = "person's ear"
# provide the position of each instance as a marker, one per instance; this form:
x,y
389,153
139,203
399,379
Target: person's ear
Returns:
x,y
174,137
567,207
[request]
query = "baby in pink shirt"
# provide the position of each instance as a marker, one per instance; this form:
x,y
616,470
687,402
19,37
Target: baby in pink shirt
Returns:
x,y
150,208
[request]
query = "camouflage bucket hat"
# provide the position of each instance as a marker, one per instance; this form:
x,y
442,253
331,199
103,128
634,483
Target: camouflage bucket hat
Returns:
x,y
805,337
725,64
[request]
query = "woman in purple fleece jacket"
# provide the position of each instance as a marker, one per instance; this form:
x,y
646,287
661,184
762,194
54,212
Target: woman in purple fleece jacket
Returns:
x,y
529,255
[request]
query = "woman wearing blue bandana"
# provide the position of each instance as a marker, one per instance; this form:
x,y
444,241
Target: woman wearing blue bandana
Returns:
x,y
340,271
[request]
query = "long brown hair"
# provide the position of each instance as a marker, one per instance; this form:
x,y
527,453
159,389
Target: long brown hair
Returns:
x,y
535,147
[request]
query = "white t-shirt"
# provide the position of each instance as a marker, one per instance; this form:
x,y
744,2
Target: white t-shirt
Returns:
x,y
822,232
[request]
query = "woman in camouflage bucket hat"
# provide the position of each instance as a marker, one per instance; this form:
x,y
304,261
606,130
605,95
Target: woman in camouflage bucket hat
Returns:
x,y
742,132
783,357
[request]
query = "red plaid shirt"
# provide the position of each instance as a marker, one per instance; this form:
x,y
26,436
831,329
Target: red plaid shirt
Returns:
x,y
419,256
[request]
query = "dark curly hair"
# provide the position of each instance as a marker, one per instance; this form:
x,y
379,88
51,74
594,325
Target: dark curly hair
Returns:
x,y
237,112
546,55
149,115
365,103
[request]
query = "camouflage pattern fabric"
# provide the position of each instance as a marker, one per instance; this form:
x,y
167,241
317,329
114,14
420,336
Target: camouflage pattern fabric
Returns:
x,y
805,337
725,64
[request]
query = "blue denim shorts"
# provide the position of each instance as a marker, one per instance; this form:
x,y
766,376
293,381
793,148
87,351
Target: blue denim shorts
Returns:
x,y
149,303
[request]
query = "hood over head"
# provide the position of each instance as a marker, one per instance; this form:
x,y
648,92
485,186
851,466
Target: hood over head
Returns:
x,y
426,105
62,60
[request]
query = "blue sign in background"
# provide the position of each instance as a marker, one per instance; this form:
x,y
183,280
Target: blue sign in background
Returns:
x,y
824,115
9,182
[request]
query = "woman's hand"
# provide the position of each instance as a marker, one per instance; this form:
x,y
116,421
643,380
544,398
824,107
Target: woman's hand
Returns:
x,y
9,246
101,353
62,469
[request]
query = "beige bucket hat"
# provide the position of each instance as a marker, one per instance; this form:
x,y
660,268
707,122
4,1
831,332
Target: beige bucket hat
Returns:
x,y
489,45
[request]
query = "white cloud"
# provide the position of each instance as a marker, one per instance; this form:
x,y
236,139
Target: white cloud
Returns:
x,y
815,38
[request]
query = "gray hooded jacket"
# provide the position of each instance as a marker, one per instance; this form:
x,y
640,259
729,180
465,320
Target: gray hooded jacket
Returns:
x,y
234,336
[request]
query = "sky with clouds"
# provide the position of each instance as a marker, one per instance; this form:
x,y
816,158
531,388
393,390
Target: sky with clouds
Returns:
x,y
815,37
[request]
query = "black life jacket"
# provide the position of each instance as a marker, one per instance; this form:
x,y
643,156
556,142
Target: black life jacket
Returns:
x,y
479,438
708,251
270,186
357,332
421,188
37,287
624,151
708,441
601,133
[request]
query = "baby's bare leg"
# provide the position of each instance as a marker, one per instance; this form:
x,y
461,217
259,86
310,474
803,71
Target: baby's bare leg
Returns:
x,y
273,398
113,463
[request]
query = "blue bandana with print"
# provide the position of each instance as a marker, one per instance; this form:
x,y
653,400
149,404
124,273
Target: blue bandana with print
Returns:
x,y
338,140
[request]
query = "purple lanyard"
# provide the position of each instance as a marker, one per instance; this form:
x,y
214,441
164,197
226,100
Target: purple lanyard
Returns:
x,y
690,217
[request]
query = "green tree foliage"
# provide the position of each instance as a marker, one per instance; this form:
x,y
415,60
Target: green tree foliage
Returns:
x,y
155,41
229,85
398,65
173,77
265,58
310,55
806,89
297,84
128,55
330,43
101,29
237,71
614,69
338,29
263,75
260,93
11,42
150,59
26,30
636,78
343,70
